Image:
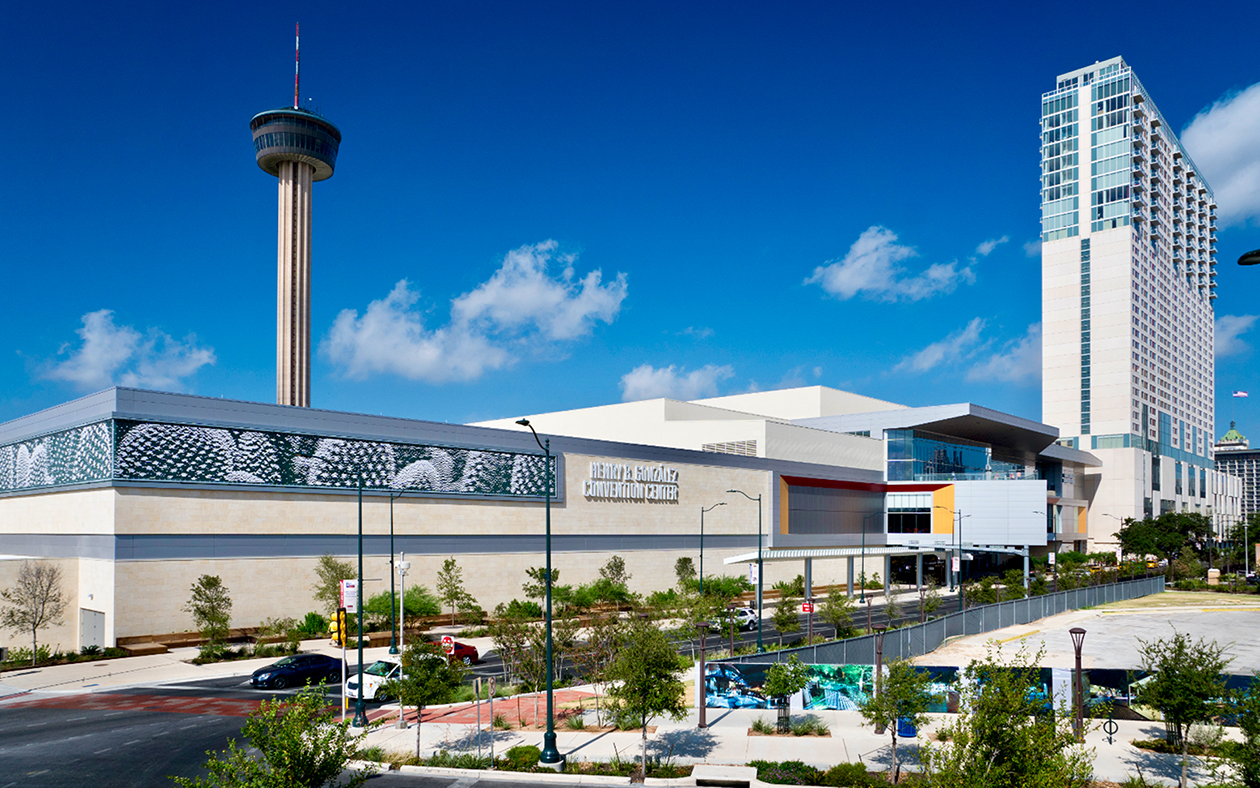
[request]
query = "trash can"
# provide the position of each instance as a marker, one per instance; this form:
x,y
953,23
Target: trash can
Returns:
x,y
905,730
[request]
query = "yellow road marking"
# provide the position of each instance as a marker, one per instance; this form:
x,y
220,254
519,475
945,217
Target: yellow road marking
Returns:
x,y
1018,637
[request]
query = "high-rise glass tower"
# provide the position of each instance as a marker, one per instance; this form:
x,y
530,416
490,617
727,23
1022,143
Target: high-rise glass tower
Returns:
x,y
1128,280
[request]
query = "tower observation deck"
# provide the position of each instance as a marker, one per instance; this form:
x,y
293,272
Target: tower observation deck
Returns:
x,y
299,147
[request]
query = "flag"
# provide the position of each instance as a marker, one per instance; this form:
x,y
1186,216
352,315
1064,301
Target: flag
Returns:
x,y
1240,393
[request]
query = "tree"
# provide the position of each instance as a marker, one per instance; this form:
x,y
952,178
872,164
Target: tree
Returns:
x,y
837,610
785,616
329,573
37,602
1246,756
211,608
904,695
1013,583
1186,684
1005,735
300,744
929,599
427,678
685,572
604,635
536,586
1169,536
784,679
645,678
450,585
615,572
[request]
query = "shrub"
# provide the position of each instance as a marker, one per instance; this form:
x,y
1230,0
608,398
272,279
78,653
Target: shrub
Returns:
x,y
575,722
521,758
501,723
520,609
462,760
762,726
849,775
90,651
810,726
313,625
786,772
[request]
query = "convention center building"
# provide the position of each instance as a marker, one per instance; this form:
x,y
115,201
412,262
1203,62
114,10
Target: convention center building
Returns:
x,y
135,494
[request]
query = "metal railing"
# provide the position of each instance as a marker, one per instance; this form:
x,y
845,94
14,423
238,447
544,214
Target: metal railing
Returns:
x,y
919,639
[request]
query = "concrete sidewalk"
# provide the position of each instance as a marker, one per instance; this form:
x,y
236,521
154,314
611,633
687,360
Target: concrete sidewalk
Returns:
x,y
727,740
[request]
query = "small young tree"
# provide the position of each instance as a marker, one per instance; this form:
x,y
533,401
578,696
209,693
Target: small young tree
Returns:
x,y
904,694
929,599
783,680
428,677
536,586
604,635
645,678
785,616
685,572
299,742
36,602
450,585
329,573
211,608
1186,683
615,572
1013,583
837,610
1246,756
1004,735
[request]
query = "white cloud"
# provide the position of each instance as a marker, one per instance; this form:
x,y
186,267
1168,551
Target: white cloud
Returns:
x,y
1222,141
871,267
1033,248
954,348
986,247
520,309
647,382
120,355
697,333
1019,361
1229,331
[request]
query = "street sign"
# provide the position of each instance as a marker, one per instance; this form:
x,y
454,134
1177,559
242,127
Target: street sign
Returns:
x,y
448,644
350,596
752,570
807,607
490,691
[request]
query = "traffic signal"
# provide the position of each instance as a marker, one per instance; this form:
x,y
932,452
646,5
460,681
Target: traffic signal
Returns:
x,y
337,627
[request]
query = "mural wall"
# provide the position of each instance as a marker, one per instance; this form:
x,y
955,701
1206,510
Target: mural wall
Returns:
x,y
149,451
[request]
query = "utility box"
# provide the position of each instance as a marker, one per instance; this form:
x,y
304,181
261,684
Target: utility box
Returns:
x,y
1214,577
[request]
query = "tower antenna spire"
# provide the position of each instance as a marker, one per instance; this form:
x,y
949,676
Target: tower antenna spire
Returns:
x,y
297,62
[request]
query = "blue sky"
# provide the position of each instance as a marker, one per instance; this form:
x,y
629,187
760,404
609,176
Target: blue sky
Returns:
x,y
541,206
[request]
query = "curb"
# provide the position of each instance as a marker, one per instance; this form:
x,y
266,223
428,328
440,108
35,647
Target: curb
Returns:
x,y
540,777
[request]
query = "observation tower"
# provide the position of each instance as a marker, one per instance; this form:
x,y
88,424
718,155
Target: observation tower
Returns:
x,y
299,147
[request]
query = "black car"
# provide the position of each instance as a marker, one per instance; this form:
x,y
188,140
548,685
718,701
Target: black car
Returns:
x,y
298,670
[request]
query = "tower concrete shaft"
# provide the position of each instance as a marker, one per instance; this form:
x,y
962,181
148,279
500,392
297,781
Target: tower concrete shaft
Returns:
x,y
293,285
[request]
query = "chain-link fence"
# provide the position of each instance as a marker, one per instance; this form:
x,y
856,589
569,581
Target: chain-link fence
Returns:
x,y
919,639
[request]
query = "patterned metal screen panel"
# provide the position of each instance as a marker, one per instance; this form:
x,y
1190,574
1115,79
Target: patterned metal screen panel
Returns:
x,y
148,451
82,454
185,453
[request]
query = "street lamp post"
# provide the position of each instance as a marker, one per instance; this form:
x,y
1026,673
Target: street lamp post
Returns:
x,y
403,565
761,574
1078,684
702,511
703,626
862,574
360,709
879,666
393,625
551,757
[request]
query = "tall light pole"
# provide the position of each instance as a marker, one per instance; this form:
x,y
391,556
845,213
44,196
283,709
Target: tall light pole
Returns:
x,y
702,511
865,517
551,757
393,625
1078,686
402,565
761,574
360,710
958,518
879,666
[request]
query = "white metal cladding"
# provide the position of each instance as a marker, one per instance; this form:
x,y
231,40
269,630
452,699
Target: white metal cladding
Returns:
x,y
1011,512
